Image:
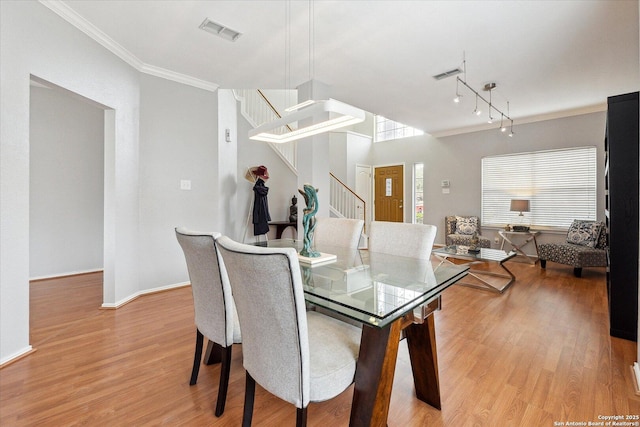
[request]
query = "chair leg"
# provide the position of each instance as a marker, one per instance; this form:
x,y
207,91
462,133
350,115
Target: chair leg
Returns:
x,y
196,357
543,263
249,395
577,271
225,369
301,417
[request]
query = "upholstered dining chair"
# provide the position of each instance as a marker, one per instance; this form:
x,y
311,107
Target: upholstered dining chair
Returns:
x,y
299,356
344,232
215,313
402,239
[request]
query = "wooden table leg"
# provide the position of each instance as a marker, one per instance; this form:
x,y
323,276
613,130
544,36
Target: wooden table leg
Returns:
x,y
421,341
374,375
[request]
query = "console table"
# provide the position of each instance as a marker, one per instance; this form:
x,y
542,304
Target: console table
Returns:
x,y
529,236
282,225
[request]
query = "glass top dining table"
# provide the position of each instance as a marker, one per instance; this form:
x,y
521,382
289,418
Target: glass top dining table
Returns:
x,y
372,288
390,296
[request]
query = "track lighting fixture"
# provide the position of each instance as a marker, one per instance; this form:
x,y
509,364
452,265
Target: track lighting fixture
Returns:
x,y
487,88
458,96
476,111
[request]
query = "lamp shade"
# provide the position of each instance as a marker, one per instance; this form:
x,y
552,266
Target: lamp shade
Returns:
x,y
519,205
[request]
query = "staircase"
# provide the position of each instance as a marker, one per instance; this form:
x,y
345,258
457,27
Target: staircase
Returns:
x,y
344,202
256,108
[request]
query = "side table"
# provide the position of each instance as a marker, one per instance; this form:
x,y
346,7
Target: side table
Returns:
x,y
528,237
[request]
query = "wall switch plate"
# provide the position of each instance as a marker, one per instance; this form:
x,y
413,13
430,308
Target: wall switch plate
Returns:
x,y
185,184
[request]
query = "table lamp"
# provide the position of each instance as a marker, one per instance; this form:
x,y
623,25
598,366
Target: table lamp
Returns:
x,y
519,205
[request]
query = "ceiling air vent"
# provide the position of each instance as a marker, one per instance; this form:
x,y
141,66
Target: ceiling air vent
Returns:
x,y
219,30
447,74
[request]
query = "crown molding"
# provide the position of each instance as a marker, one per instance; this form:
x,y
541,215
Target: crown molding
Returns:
x,y
72,17
523,120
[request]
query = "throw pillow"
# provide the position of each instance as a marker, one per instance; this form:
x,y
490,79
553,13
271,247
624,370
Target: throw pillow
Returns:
x,y
584,233
466,225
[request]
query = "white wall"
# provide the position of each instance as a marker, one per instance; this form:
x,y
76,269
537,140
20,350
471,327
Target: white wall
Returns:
x,y
458,159
66,153
178,141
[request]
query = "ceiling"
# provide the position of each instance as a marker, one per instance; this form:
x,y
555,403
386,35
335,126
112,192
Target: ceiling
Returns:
x,y
548,59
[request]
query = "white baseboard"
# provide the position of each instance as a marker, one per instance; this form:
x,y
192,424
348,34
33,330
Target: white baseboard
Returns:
x,y
132,297
71,273
15,356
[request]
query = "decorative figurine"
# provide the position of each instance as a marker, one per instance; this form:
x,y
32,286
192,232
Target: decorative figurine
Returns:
x,y
309,219
293,209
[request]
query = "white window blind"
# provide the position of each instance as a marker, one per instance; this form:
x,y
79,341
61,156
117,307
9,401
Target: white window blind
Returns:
x,y
559,184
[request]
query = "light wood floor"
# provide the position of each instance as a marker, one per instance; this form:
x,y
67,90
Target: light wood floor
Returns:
x,y
538,354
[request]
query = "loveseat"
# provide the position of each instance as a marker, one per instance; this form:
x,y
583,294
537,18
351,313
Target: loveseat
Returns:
x,y
460,229
585,246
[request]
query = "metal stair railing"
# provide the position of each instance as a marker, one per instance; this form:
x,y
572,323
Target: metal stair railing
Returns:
x,y
344,201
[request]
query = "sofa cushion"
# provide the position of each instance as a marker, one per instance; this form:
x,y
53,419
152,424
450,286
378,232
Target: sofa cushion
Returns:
x,y
466,225
584,233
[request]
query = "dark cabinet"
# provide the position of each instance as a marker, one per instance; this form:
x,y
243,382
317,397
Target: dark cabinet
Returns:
x,y
621,172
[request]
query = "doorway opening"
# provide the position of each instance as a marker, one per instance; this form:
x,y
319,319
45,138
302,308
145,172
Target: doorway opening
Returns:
x,y
68,134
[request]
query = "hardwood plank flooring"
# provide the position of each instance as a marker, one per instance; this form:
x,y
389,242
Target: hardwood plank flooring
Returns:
x,y
537,355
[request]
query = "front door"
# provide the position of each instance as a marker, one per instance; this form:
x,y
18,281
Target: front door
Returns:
x,y
389,191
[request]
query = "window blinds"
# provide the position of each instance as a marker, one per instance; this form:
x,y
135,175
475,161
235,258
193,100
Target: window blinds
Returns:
x,y
560,185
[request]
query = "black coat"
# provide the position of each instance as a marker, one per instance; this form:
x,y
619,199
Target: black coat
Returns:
x,y
261,215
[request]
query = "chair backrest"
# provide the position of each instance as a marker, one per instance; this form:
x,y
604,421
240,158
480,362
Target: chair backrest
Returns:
x,y
275,346
582,232
344,232
403,239
451,221
212,298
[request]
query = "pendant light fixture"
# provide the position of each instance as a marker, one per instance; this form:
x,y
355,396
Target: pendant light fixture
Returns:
x,y
335,114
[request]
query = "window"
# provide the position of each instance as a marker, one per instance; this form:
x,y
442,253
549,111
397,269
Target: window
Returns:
x,y
560,185
388,129
418,192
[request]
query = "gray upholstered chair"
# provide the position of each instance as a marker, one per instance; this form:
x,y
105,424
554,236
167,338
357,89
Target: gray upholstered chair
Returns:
x,y
344,232
585,246
402,239
215,313
299,356
460,234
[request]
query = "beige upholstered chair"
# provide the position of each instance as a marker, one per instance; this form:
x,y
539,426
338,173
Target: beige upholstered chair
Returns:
x,y
344,232
403,239
215,314
299,356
